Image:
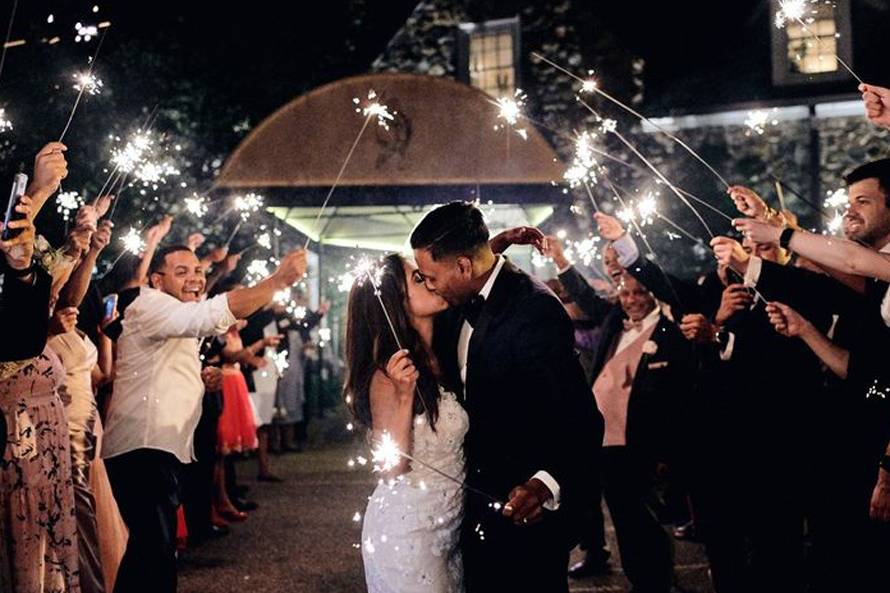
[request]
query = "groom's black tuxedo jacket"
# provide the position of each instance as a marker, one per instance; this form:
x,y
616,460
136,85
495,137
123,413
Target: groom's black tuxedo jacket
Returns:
x,y
529,405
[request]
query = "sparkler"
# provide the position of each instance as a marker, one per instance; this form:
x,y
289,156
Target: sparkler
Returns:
x,y
608,124
386,455
280,360
796,10
759,119
264,241
196,205
248,204
66,203
88,82
5,123
591,87
15,5
133,242
371,110
510,110
836,199
83,88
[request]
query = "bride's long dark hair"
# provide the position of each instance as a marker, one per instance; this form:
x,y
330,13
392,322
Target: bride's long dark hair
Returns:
x,y
370,343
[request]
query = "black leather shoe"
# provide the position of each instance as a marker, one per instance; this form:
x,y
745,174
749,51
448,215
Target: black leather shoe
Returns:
x,y
590,567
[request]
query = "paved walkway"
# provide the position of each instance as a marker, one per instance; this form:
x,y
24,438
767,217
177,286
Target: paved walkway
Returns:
x,y
302,538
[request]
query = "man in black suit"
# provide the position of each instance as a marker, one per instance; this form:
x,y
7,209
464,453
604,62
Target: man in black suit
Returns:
x,y
534,432
845,538
642,368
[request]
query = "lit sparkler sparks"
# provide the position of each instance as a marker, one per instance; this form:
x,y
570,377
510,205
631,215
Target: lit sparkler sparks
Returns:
x,y
834,225
590,84
584,163
759,119
133,241
128,158
264,240
68,202
248,204
510,109
256,270
647,208
374,109
836,199
153,173
791,10
386,454
196,205
88,82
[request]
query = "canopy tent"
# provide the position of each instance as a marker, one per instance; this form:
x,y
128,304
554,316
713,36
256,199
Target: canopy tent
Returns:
x,y
441,144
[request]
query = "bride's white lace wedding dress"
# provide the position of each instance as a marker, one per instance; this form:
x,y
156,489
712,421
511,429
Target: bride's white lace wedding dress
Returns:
x,y
411,528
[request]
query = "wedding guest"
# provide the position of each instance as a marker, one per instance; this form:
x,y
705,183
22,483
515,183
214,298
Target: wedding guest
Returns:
x,y
642,369
36,489
157,400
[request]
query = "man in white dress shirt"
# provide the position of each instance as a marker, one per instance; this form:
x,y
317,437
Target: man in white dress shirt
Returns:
x,y
157,401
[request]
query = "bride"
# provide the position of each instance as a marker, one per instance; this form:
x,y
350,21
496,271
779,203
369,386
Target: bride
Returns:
x,y
412,521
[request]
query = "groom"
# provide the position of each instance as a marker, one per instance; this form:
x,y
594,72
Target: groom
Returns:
x,y
535,432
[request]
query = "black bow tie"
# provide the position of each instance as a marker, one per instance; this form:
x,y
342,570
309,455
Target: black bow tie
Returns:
x,y
472,308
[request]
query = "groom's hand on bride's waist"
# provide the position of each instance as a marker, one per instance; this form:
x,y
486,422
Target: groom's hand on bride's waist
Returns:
x,y
526,502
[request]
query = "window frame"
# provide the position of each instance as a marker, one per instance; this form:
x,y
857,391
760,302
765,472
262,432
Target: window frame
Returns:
x,y
465,32
782,74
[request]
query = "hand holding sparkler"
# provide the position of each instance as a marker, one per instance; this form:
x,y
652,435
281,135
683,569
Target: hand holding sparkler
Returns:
x,y
102,237
697,328
525,505
760,231
50,168
404,375
749,203
291,269
609,227
730,253
787,321
877,104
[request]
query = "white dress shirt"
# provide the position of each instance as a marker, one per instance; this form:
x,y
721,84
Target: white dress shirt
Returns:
x,y
463,351
158,388
629,336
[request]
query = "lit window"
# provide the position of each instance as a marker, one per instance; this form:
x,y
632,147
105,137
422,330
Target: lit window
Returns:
x,y
812,49
807,53
488,54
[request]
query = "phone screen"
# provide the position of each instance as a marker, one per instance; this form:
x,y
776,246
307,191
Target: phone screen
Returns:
x,y
110,306
18,190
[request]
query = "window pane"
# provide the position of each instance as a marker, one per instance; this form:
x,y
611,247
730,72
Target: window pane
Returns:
x,y
489,43
505,57
505,41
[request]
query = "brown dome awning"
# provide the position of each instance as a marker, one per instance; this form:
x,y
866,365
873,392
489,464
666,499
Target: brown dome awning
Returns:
x,y
443,134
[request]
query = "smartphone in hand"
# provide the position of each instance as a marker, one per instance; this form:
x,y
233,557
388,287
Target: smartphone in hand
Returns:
x,y
19,183
110,309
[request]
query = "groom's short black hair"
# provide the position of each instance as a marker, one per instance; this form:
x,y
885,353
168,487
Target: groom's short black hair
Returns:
x,y
457,228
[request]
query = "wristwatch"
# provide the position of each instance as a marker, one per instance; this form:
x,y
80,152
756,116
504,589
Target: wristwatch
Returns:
x,y
785,238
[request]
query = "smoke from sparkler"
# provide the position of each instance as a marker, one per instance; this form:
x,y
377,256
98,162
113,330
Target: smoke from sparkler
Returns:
x,y
133,241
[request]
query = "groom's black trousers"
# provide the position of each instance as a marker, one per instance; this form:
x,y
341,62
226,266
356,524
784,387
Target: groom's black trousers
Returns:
x,y
526,560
